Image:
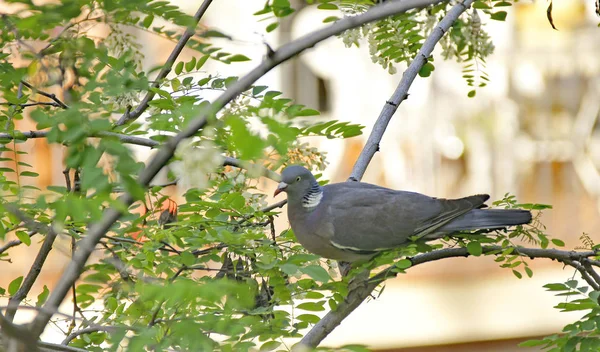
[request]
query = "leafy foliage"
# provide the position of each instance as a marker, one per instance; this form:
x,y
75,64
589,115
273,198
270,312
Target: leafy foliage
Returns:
x,y
212,271
583,335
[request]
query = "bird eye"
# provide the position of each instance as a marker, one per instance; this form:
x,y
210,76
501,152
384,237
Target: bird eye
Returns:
x,y
297,178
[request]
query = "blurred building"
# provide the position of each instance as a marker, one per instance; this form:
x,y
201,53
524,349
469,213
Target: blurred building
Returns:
x,y
533,132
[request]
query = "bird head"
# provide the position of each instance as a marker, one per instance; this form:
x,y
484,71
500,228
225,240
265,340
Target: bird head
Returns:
x,y
295,180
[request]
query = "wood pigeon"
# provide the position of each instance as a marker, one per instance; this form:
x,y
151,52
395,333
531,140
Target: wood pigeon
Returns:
x,y
353,221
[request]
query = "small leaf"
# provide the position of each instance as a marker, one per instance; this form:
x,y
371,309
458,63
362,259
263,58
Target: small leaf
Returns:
x,y
311,306
179,68
472,93
23,237
29,174
558,242
316,272
474,248
238,58
528,271
41,298
148,21
500,15
201,61
571,283
426,69
270,346
331,19
14,285
309,318
327,6
403,264
517,274
272,27
190,65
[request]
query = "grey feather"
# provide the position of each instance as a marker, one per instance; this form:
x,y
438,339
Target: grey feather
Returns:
x,y
353,221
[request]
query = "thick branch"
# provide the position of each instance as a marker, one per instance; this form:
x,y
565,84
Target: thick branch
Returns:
x,y
133,115
98,230
357,295
401,92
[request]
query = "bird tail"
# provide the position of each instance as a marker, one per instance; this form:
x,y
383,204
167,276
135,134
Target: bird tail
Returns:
x,y
488,219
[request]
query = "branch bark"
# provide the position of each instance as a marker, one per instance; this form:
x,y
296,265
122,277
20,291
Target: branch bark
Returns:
x,y
98,230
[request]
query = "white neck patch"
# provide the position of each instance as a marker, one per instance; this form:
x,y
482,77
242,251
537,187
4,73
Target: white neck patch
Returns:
x,y
312,199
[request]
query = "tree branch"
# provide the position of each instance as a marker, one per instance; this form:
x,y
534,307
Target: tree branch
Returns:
x,y
15,243
36,267
53,97
357,295
133,115
98,230
401,92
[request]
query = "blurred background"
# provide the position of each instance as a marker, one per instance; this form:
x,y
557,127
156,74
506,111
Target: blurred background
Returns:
x,y
532,132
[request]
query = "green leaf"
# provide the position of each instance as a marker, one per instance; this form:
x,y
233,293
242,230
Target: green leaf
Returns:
x,y
29,174
24,237
311,306
148,21
403,264
327,6
309,318
533,343
517,274
528,271
571,283
471,93
258,89
474,248
480,5
426,69
190,65
202,61
41,298
316,272
499,16
14,285
179,68
270,346
238,58
272,27
558,242
331,19
555,287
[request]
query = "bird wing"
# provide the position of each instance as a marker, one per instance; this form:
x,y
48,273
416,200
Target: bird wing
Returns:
x,y
371,218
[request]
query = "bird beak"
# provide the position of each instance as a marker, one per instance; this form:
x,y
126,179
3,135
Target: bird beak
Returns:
x,y
280,188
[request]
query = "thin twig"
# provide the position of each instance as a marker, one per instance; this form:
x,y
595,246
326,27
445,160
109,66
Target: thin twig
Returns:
x,y
164,71
15,243
47,95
